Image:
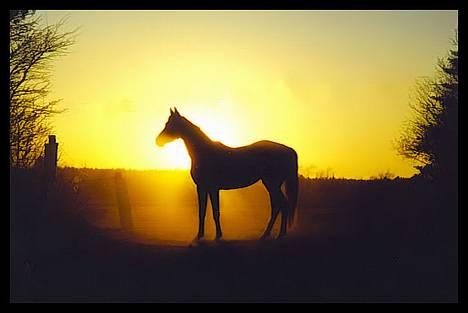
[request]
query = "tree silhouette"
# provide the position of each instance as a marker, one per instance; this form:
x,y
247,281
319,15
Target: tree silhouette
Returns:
x,y
33,46
431,137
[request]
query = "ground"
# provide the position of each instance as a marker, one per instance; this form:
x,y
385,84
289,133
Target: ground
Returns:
x,y
377,258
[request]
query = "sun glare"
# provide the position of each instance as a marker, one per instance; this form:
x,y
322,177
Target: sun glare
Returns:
x,y
217,129
175,155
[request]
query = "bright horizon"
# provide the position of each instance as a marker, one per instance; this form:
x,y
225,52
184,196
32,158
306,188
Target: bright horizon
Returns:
x,y
333,85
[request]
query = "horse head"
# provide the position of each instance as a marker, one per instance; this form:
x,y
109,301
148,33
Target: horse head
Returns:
x,y
172,129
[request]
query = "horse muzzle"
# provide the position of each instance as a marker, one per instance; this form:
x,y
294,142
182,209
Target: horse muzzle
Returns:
x,y
159,141
163,139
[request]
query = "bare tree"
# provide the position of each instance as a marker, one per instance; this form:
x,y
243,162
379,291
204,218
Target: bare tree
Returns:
x,y
33,46
431,136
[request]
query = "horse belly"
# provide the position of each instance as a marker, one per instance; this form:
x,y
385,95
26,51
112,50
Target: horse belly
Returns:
x,y
237,183
226,176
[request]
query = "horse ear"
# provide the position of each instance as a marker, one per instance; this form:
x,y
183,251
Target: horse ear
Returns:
x,y
172,112
176,112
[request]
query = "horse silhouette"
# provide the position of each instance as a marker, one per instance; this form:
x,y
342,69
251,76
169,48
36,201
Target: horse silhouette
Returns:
x,y
215,166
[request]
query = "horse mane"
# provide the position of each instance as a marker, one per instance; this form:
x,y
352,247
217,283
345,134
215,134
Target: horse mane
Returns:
x,y
187,121
195,129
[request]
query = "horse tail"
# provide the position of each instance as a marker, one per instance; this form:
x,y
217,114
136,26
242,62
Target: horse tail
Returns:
x,y
292,188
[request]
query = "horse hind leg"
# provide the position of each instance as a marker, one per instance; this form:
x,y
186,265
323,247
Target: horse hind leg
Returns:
x,y
274,213
275,209
284,214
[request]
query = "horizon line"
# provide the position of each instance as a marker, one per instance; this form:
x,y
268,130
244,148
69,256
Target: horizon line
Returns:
x,y
371,177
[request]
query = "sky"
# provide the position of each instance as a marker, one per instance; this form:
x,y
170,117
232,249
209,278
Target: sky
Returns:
x,y
334,85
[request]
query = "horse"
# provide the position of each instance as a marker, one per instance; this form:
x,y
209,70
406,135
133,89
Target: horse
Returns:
x,y
215,167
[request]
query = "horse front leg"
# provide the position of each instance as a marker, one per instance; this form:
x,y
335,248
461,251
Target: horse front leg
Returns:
x,y
202,199
214,197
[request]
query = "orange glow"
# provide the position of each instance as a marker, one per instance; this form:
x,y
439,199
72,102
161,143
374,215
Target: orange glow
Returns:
x,y
339,97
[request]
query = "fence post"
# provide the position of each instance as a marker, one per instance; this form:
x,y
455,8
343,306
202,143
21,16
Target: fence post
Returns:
x,y
125,210
50,159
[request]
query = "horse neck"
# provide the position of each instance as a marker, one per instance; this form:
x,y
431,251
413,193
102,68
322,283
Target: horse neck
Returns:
x,y
196,141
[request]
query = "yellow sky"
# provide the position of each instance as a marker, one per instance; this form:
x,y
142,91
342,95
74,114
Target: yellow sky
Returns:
x,y
333,85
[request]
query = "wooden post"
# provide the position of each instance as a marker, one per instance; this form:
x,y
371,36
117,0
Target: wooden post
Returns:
x,y
50,159
125,209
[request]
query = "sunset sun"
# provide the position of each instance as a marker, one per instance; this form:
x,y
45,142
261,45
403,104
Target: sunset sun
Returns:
x,y
174,155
